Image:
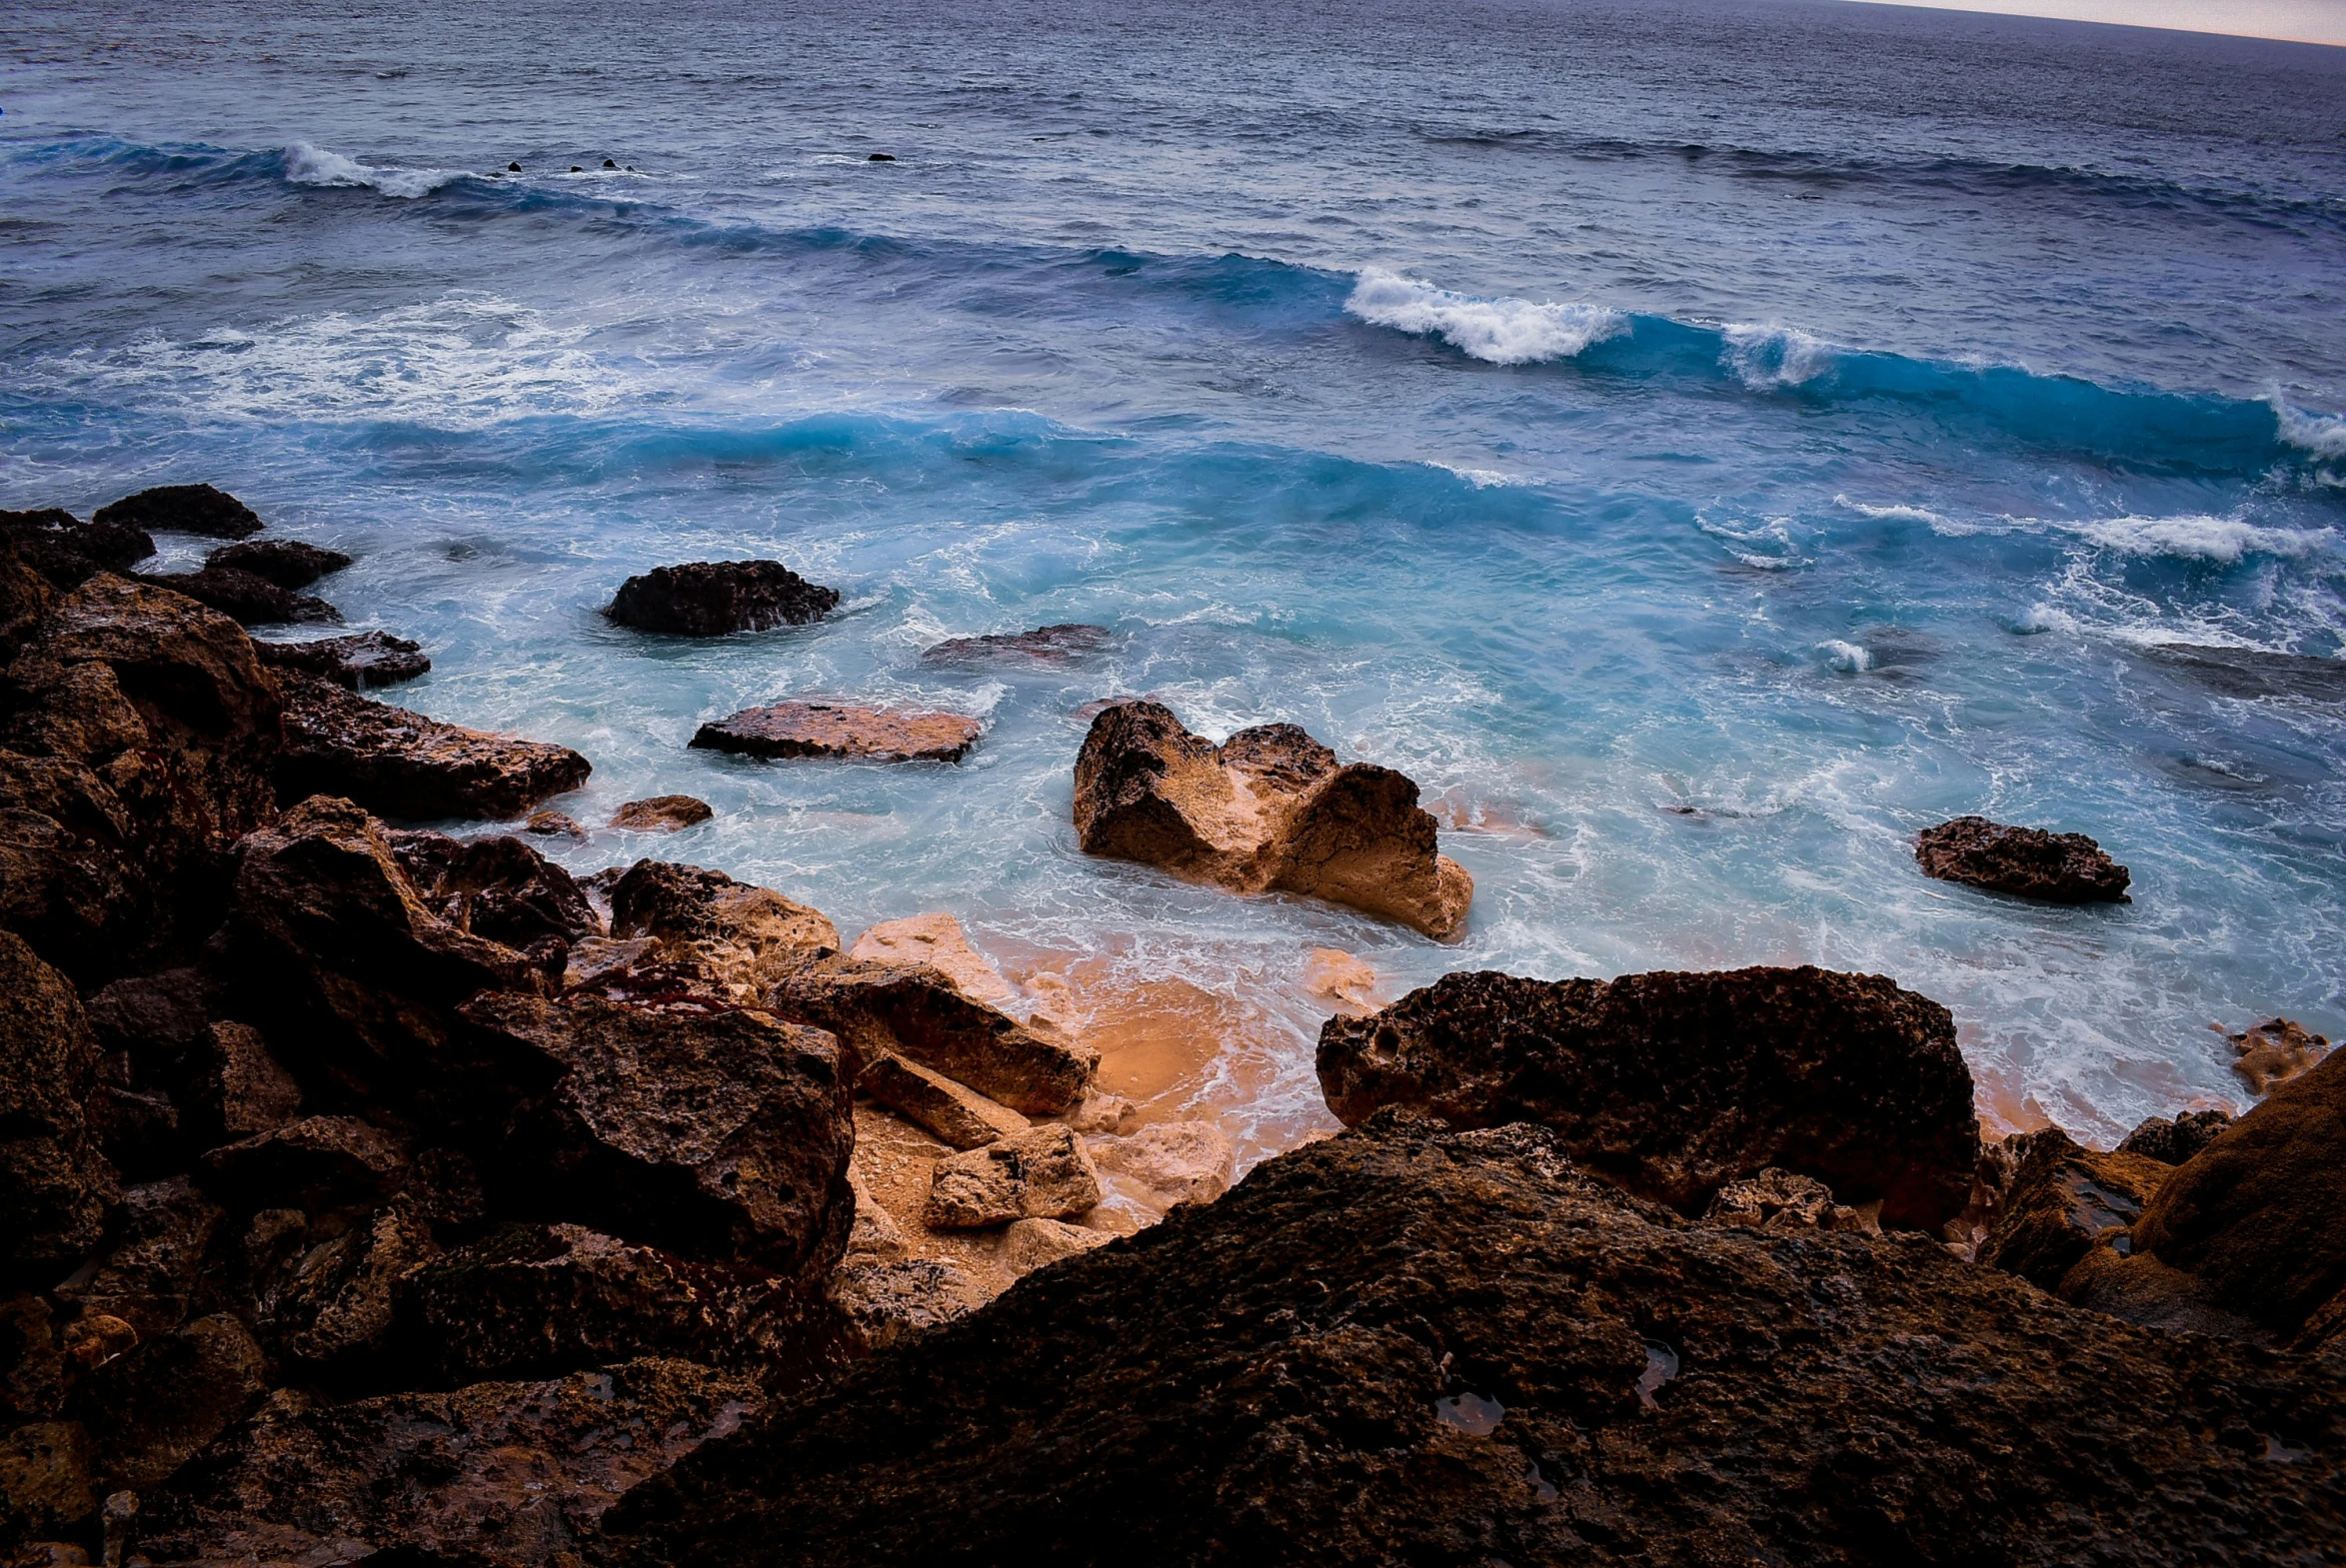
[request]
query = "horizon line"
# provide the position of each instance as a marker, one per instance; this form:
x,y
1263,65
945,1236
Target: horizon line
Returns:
x,y
2280,21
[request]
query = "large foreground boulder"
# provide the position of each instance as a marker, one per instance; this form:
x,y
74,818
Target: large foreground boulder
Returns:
x,y
713,597
2027,861
1674,1084
1268,810
1404,1346
408,767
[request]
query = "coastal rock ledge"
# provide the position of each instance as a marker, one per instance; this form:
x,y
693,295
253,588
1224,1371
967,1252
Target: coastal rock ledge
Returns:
x,y
2027,861
1270,809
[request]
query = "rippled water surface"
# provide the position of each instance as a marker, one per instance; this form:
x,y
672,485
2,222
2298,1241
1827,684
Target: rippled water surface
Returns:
x,y
1702,444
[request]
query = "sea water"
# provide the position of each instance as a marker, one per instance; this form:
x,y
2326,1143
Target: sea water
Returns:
x,y
1702,444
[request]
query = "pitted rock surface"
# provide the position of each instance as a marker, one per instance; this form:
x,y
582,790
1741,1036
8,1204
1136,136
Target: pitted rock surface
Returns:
x,y
713,597
406,766
2027,861
362,659
842,732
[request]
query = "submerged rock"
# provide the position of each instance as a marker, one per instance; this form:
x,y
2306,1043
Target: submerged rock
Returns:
x,y
288,562
403,764
2274,1052
1262,1380
1268,810
363,659
1674,1084
1056,647
250,599
828,729
713,597
184,508
661,814
2253,673
2028,861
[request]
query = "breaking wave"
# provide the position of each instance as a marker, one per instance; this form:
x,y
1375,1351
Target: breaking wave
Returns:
x,y
1503,331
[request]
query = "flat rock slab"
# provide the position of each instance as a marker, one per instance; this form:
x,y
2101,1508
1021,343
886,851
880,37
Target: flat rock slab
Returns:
x,y
713,597
402,765
958,1115
2027,861
363,659
288,562
661,814
252,599
184,508
1053,647
829,730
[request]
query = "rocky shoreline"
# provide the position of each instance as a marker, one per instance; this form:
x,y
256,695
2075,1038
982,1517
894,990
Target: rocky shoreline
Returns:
x,y
375,1192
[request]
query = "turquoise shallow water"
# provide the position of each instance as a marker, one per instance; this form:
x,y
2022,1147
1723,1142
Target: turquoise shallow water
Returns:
x,y
1701,444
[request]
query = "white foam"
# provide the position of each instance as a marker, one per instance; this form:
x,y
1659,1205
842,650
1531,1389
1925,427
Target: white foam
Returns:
x,y
2200,538
1485,479
1893,513
1847,657
1768,359
2323,434
1502,331
308,165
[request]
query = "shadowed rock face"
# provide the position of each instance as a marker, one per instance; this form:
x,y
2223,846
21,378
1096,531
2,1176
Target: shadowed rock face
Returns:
x,y
58,1185
288,562
712,598
184,508
252,598
1404,1346
1673,1084
363,659
2027,861
1268,810
406,766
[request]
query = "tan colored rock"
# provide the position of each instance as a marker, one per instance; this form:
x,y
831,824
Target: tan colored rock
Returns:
x,y
1104,1112
1270,809
1031,1244
1041,1174
1177,1161
955,1112
830,730
554,824
701,932
2273,1052
885,1303
938,941
876,1233
1343,981
661,814
1778,1199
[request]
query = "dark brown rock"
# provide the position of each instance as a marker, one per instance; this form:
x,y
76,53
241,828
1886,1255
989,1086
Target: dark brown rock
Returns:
x,y
233,1087
1397,1346
58,1185
25,597
497,1475
830,730
318,1164
32,1365
288,562
1674,1084
2027,861
687,935
362,659
250,599
408,767
154,1407
334,1309
1270,809
153,1016
66,551
48,1480
151,1276
184,508
2255,1213
721,1137
499,888
713,597
914,1011
661,814
2177,1138
1053,647
2065,1200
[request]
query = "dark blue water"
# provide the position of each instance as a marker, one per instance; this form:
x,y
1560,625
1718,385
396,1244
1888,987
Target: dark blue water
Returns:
x,y
1702,444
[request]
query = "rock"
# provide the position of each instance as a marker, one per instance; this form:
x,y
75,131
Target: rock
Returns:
x,y
876,1233
288,562
1053,647
1783,1201
661,814
68,552
2275,1052
1256,1381
154,1407
1029,1245
1342,981
2255,1213
32,1367
1041,1174
499,888
913,1012
685,932
1177,1161
884,1304
1674,1084
48,1484
554,824
2028,861
93,1339
2142,1291
320,1165
405,765
152,1276
184,508
721,1137
938,941
831,730
252,599
362,659
25,597
538,1300
2178,1139
58,1185
235,1087
2065,1200
1270,809
961,1117
152,1016
713,597
497,1475
1104,1113
335,1308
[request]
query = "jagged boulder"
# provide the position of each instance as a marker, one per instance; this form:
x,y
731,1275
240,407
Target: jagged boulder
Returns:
x,y
184,508
362,659
2174,1139
1270,809
883,1303
499,888
686,930
713,597
1674,1084
1042,1173
288,562
405,765
249,598
319,1164
2027,861
661,814
2065,1200
155,1406
151,1276
333,1309
58,1185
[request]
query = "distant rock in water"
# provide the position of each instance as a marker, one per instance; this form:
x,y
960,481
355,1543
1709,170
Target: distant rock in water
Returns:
x,y
288,562
831,731
1674,1084
361,660
661,814
2253,673
184,508
2028,861
253,600
405,765
1268,810
1054,646
713,597
1405,1345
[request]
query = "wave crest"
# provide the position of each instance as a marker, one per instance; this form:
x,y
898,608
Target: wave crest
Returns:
x,y
1502,331
1769,358
308,165
2225,540
2322,435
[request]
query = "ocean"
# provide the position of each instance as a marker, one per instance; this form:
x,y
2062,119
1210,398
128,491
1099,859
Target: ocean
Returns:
x,y
1701,442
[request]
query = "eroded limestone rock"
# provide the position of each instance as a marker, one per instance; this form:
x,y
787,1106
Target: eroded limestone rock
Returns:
x,y
2028,861
405,765
1044,1174
842,732
713,597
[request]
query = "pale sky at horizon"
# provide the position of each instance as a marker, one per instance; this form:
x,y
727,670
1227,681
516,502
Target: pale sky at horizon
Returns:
x,y
2300,21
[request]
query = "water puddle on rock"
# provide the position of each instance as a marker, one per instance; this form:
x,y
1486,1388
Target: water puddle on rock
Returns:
x,y
1661,1364
1470,1413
